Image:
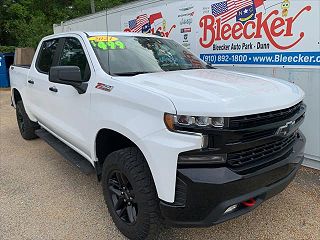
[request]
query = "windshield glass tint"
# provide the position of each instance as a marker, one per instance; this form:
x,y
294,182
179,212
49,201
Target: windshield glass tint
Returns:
x,y
128,55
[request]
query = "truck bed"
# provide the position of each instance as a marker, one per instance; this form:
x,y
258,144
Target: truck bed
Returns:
x,y
18,75
21,65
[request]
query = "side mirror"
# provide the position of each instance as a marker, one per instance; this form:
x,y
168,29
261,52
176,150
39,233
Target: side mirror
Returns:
x,y
68,75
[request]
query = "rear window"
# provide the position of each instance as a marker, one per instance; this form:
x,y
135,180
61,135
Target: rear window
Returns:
x,y
46,55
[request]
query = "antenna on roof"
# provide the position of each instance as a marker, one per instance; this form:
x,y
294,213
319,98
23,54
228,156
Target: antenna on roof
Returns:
x,y
107,28
93,8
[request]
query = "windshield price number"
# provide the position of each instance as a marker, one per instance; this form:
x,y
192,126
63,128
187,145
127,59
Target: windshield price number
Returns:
x,y
105,45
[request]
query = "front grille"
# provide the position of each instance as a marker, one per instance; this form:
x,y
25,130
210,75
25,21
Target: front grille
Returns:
x,y
257,135
262,154
251,136
263,118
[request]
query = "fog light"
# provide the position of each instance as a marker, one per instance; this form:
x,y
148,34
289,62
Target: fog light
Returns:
x,y
201,159
231,208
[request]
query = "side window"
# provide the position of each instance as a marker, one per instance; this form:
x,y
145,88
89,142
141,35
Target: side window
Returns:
x,y
46,55
73,55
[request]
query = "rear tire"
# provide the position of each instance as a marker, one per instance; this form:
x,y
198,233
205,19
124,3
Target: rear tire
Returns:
x,y
26,126
130,194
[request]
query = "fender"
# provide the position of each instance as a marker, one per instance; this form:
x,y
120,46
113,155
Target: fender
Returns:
x,y
13,104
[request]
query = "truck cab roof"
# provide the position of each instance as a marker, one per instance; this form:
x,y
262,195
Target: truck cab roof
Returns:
x,y
82,33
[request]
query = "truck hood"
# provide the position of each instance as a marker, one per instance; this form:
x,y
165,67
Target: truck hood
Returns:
x,y
217,92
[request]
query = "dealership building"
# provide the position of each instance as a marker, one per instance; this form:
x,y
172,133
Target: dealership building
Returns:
x,y
272,38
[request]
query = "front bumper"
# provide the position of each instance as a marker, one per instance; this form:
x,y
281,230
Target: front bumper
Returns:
x,y
204,194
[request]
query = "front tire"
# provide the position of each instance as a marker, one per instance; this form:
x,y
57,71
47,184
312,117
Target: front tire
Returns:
x,y
130,194
26,126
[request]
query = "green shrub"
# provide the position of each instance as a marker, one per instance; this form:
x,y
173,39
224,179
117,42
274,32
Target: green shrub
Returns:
x,y
7,49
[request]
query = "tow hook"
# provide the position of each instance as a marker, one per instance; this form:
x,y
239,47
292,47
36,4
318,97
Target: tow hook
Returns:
x,y
249,203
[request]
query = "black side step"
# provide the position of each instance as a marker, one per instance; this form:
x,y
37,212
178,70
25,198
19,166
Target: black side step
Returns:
x,y
68,153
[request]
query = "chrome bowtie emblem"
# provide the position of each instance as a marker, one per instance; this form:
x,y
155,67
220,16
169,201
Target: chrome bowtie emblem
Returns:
x,y
284,130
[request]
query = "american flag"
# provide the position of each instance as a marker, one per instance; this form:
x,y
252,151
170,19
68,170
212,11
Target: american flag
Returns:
x,y
136,24
228,9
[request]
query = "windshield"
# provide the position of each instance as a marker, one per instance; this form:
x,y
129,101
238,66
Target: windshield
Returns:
x,y
129,56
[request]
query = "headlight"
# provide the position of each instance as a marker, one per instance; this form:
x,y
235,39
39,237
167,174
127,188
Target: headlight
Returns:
x,y
183,120
202,121
178,122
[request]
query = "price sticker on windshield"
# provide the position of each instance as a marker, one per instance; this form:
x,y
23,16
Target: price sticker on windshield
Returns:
x,y
103,38
106,43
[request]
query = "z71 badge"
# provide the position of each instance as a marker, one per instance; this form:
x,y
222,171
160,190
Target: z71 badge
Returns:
x,y
104,87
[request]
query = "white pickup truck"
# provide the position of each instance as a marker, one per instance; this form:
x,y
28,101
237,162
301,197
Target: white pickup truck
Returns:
x,y
172,139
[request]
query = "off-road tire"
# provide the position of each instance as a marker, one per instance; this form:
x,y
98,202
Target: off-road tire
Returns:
x,y
26,126
131,162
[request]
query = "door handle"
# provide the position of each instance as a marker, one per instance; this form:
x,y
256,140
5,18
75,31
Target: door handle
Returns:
x,y
30,81
53,89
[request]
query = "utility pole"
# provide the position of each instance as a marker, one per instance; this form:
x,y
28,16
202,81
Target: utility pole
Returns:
x,y
93,8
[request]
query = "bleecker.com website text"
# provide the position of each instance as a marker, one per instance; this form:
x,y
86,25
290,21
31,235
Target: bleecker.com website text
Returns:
x,y
291,58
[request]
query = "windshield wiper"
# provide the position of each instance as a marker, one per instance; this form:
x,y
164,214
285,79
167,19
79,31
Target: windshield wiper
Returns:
x,y
210,66
127,74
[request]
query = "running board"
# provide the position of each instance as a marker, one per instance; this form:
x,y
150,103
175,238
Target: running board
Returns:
x,y
68,153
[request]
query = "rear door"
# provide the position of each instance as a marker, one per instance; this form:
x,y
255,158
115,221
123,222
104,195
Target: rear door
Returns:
x,y
38,80
69,109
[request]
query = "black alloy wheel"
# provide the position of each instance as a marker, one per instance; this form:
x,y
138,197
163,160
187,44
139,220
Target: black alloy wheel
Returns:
x,y
130,194
26,126
123,197
20,121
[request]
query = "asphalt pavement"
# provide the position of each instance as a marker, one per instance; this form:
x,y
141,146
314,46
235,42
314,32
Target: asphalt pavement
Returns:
x,y
42,196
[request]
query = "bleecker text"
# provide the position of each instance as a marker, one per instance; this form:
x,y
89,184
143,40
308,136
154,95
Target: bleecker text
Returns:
x,y
272,25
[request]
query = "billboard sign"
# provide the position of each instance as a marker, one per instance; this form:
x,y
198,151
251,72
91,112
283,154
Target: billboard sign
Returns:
x,y
238,32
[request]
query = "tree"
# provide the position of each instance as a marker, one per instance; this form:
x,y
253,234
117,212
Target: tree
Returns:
x,y
24,22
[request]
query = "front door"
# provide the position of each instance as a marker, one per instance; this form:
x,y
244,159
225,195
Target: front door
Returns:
x,y
71,110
